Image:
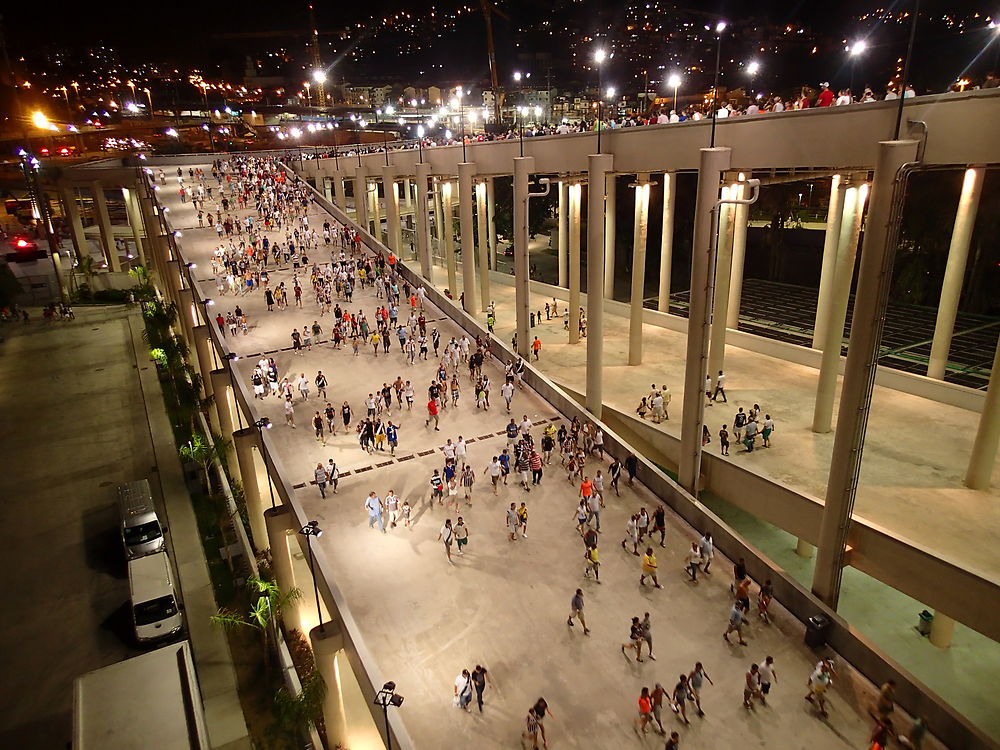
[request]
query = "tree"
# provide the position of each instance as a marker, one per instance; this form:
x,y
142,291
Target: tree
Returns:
x,y
264,612
206,453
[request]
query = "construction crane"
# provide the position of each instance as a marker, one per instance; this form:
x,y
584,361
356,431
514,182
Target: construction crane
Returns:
x,y
488,10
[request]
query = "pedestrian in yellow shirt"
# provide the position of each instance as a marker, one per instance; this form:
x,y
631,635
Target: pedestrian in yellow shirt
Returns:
x,y
649,568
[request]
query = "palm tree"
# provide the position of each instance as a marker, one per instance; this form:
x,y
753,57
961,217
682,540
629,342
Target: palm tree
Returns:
x,y
264,613
203,451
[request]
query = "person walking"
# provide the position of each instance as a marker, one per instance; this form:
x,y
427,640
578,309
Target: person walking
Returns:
x,y
656,700
593,563
512,521
649,568
768,675
720,388
461,535
707,548
522,520
494,470
751,685
468,479
432,414
531,725
576,611
693,561
660,524
724,441
594,511
391,503
332,475
736,620
631,534
645,710
696,679
374,506
674,742
541,708
647,634
320,477
447,535
480,679
615,472
634,641
680,697
463,690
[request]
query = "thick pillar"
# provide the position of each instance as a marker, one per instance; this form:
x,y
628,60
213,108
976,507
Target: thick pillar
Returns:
x,y
135,223
523,167
954,272
984,449
466,199
723,275
870,302
831,243
375,215
942,629
331,661
575,199
422,222
483,245
71,209
339,190
361,197
563,229
741,214
104,224
713,162
438,236
611,203
448,231
804,549
600,211
393,229
408,194
225,411
638,268
840,292
667,240
245,443
491,227
279,523
206,363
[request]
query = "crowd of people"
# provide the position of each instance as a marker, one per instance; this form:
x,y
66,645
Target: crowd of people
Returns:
x,y
376,321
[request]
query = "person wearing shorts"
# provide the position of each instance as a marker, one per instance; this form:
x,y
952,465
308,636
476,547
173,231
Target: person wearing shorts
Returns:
x,y
461,535
447,535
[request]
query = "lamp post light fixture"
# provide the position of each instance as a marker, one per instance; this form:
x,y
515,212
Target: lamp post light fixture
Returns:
x,y
674,82
265,424
753,68
599,57
420,142
855,51
386,697
309,531
719,28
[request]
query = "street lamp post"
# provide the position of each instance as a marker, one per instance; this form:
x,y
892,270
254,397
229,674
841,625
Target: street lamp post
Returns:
x,y
149,98
386,697
385,133
674,81
309,531
856,50
420,142
906,67
719,28
599,57
308,86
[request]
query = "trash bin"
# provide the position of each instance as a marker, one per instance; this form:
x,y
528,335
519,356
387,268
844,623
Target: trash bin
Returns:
x,y
816,629
924,623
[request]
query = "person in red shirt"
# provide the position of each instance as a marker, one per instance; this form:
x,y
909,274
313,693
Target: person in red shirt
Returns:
x,y
586,489
432,413
826,97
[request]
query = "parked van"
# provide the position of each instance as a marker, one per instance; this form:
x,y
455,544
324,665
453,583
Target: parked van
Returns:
x,y
155,613
140,528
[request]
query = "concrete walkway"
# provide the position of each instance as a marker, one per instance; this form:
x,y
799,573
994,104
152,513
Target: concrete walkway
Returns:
x,y
504,603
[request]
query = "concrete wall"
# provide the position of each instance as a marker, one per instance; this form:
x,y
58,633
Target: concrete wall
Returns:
x,y
913,695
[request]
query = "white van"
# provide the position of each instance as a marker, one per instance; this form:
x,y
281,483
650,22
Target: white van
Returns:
x,y
155,613
140,528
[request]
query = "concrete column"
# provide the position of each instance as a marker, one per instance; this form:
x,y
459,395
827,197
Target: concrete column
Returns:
x,y
375,215
466,199
523,168
942,629
491,227
611,202
422,222
135,223
713,162
245,443
870,302
741,215
393,229
831,242
67,194
575,200
482,243
600,212
954,272
667,240
438,188
361,197
206,363
638,268
984,449
224,405
723,275
840,292
328,650
563,248
279,523
104,224
408,194
804,549
339,190
448,232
